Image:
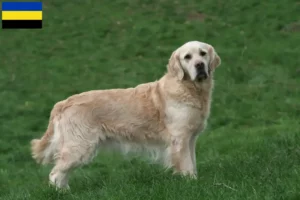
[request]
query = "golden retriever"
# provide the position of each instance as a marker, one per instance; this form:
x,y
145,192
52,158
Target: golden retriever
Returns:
x,y
163,117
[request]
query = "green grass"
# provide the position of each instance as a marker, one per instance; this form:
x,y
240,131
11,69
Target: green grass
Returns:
x,y
251,148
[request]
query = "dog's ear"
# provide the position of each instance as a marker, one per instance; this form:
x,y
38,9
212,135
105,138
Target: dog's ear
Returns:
x,y
215,59
174,66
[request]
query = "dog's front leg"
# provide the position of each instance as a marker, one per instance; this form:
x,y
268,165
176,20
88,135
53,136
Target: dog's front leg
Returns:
x,y
192,144
182,156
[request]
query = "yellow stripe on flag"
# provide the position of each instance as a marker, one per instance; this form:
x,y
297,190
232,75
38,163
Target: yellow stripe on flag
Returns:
x,y
22,15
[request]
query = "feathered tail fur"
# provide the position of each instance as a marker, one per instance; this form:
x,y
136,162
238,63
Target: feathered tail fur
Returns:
x,y
43,150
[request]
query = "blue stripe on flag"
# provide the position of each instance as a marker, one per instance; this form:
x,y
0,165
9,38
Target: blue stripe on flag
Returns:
x,y
24,6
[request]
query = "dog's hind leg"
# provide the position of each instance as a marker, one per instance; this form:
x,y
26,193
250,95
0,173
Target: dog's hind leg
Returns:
x,y
66,161
71,156
79,146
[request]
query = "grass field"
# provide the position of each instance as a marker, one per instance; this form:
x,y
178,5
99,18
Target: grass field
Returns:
x,y
251,147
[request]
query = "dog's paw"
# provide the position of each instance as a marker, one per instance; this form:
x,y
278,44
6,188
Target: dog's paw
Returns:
x,y
63,189
186,174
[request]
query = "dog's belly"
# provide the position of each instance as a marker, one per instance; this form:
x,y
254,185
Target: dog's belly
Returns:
x,y
131,129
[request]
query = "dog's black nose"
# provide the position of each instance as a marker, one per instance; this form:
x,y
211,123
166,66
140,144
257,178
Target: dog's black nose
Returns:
x,y
200,66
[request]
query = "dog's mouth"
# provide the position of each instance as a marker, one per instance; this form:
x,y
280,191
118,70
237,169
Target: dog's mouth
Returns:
x,y
201,76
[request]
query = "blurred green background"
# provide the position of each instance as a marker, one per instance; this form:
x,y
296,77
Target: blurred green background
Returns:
x,y
251,147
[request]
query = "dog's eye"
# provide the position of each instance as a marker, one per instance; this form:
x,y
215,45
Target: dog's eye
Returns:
x,y
188,56
202,53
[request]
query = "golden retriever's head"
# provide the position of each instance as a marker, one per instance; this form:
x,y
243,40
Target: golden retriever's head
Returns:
x,y
194,60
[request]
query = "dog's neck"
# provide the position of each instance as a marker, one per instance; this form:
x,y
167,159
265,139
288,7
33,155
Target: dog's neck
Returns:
x,y
204,86
187,91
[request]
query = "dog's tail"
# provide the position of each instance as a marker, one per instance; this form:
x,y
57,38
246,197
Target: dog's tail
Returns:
x,y
43,150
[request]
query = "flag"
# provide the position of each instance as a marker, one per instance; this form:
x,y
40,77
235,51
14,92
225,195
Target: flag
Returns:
x,y
22,15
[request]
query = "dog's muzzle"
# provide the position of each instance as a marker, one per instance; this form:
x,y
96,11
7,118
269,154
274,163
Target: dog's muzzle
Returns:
x,y
201,73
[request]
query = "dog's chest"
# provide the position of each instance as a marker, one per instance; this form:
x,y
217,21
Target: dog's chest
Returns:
x,y
182,117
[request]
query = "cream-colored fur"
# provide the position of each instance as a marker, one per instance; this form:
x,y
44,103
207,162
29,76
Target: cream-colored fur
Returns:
x,y
163,117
